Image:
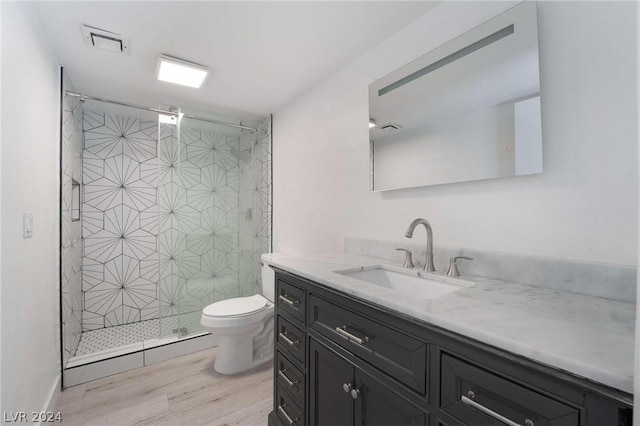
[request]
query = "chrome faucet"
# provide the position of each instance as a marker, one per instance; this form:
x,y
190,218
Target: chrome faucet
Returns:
x,y
428,264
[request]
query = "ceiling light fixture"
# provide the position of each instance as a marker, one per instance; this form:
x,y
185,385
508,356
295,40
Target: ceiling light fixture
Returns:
x,y
178,71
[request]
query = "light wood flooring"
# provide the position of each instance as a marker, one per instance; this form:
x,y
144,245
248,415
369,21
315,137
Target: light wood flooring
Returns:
x,y
185,390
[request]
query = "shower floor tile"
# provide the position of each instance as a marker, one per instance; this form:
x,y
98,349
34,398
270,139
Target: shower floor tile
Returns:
x,y
128,334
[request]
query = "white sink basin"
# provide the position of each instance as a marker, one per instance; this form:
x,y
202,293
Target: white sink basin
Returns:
x,y
409,282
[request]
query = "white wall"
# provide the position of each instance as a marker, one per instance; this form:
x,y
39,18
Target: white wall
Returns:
x,y
29,346
584,206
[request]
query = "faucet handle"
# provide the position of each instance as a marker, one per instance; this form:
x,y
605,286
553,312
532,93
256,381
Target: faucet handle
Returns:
x,y
453,265
408,259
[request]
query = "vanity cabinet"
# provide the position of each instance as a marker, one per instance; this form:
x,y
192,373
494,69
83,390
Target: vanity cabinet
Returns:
x,y
475,396
401,355
340,394
340,360
290,353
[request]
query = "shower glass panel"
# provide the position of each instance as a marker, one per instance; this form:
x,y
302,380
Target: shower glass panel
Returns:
x,y
171,196
255,205
174,216
70,228
214,214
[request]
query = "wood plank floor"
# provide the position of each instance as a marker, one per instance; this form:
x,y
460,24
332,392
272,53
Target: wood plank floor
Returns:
x,y
185,390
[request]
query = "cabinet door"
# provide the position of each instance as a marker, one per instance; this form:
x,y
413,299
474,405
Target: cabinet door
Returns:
x,y
329,402
377,405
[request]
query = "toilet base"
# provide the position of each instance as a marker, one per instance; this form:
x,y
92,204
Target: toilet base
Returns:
x,y
238,353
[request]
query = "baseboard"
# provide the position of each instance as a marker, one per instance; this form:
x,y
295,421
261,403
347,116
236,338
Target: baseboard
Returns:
x,y
52,399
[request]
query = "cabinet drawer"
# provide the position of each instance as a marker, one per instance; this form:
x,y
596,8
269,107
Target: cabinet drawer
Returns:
x,y
289,377
478,397
290,339
401,356
287,410
290,299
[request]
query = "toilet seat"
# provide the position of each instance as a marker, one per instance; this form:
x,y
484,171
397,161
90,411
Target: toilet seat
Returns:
x,y
236,307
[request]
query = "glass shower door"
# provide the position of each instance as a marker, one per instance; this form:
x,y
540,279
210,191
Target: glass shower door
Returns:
x,y
171,200
214,214
209,170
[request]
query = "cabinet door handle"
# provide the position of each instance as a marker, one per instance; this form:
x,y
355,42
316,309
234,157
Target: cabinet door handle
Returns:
x,y
469,401
286,416
347,387
288,301
286,379
288,341
355,339
355,393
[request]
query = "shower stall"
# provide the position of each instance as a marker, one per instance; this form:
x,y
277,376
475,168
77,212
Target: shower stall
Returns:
x,y
163,211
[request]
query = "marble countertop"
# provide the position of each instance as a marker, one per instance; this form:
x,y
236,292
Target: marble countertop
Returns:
x,y
588,336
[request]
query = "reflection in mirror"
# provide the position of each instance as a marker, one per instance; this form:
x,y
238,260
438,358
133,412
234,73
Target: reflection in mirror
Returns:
x,y
467,110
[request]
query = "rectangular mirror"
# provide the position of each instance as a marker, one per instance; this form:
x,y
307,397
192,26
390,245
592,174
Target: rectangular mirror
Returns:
x,y
468,110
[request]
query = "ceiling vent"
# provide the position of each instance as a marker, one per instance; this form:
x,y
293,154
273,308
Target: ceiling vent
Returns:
x,y
391,127
105,40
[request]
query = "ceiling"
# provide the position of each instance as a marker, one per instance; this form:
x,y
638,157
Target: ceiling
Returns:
x,y
261,54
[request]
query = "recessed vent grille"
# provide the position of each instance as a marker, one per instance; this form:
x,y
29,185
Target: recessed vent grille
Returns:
x,y
391,127
105,40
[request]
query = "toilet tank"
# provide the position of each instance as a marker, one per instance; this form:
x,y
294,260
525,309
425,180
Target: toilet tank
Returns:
x,y
268,281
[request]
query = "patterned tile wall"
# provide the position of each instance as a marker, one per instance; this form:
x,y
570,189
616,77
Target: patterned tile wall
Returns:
x,y
169,230
71,250
255,206
199,221
119,220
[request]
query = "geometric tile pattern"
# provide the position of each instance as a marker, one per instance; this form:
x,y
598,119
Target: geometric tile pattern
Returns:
x,y
119,209
198,226
255,205
174,218
71,247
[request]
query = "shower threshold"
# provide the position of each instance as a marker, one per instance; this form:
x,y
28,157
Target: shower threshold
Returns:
x,y
112,350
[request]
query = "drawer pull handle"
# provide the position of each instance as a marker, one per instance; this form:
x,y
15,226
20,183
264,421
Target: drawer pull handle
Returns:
x,y
490,412
288,301
286,379
286,416
288,341
355,339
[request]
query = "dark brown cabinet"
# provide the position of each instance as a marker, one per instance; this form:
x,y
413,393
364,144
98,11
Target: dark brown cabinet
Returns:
x,y
340,360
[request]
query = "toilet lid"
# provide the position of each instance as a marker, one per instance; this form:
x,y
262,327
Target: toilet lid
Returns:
x,y
236,306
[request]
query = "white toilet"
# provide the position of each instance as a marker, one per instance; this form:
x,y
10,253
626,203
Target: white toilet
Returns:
x,y
243,327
